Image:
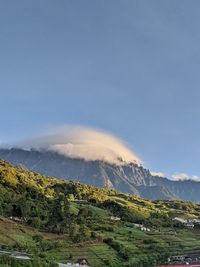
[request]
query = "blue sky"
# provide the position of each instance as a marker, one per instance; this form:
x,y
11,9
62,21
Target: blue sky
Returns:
x,y
128,67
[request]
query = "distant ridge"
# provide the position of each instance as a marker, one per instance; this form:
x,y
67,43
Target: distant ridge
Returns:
x,y
129,178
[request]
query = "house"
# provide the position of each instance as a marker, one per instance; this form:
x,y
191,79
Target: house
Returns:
x,y
16,219
142,227
189,224
114,218
20,256
69,265
82,262
185,223
179,258
145,229
181,220
197,221
188,265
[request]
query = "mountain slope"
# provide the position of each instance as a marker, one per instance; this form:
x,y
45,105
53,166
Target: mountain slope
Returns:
x,y
55,220
129,178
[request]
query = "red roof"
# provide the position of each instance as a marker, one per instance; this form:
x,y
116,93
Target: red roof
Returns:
x,y
185,265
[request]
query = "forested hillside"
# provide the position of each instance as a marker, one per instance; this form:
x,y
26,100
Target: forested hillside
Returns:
x,y
96,220
127,178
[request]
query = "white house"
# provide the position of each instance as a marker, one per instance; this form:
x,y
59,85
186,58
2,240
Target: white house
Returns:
x,y
114,218
181,220
186,223
142,227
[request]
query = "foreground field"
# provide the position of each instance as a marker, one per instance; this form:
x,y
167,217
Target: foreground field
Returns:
x,y
59,248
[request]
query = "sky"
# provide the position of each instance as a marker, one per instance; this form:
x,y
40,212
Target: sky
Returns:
x,y
130,68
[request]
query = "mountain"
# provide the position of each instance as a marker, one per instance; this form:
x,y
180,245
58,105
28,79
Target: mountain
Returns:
x,y
127,178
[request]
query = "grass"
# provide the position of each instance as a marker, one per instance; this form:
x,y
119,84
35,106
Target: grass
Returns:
x,y
99,253
115,242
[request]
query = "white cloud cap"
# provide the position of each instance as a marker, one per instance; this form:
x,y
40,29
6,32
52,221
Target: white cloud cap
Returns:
x,y
86,143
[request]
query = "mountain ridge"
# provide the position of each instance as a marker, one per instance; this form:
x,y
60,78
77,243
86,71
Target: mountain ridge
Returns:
x,y
127,178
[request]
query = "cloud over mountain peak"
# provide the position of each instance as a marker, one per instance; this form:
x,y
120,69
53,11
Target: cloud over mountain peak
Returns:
x,y
83,142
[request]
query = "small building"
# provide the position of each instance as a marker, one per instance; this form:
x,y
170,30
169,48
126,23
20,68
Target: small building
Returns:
x,y
185,223
16,219
145,229
196,221
115,218
181,220
82,262
20,256
142,227
189,224
178,258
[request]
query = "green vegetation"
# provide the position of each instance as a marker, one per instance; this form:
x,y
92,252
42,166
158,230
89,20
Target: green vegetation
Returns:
x,y
60,221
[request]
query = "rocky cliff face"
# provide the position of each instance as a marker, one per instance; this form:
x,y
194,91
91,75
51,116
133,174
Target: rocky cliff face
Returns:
x,y
129,178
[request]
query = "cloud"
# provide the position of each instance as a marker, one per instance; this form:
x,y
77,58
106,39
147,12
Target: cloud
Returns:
x,y
160,174
184,176
82,142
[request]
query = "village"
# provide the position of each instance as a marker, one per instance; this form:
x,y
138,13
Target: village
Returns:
x,y
188,223
26,257
191,259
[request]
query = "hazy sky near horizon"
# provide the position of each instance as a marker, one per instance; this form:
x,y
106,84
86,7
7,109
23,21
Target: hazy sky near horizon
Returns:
x,y
127,67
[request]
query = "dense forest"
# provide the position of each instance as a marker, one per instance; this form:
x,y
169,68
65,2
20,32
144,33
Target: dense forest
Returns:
x,y
82,214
